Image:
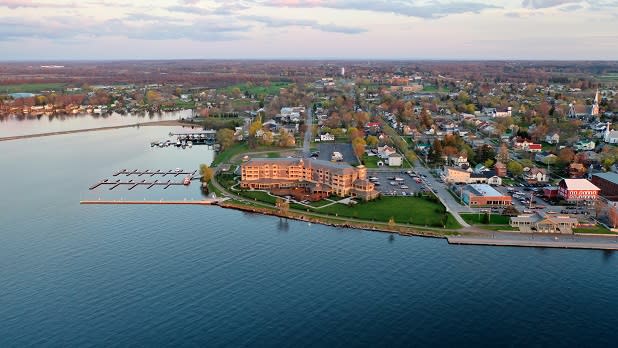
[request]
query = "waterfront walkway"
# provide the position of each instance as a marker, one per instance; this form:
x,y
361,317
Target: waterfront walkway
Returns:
x,y
539,241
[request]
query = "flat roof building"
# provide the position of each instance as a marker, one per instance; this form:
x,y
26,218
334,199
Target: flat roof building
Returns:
x,y
480,195
608,183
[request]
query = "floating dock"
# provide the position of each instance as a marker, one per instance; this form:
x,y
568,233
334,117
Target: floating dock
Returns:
x,y
148,173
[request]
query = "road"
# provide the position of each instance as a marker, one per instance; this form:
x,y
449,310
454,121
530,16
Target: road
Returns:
x,y
308,132
452,206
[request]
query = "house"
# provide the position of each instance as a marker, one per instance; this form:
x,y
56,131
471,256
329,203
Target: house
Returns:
x,y
546,158
395,160
327,137
574,190
521,143
492,178
577,170
552,139
534,148
536,175
584,145
458,160
482,195
610,136
453,175
500,169
548,224
385,151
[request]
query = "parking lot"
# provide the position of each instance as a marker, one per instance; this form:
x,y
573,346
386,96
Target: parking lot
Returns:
x,y
327,149
395,183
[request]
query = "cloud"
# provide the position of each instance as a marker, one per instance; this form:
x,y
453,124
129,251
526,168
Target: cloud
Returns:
x,y
538,4
429,9
189,10
281,22
62,28
14,4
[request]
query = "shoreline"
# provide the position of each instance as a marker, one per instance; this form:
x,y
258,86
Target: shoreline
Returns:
x,y
148,123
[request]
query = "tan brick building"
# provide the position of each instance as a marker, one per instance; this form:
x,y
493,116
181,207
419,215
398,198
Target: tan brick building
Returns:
x,y
316,176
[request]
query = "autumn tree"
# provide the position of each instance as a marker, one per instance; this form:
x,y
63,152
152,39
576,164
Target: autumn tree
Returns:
x,y
503,154
372,141
359,146
225,138
515,168
286,139
283,205
206,172
612,214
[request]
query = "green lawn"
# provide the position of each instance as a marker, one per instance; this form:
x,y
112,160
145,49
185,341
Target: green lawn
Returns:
x,y
370,161
273,155
31,87
411,210
225,155
598,229
475,219
273,89
258,196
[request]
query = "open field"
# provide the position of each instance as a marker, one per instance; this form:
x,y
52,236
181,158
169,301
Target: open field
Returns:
x,y
272,89
598,229
411,210
31,87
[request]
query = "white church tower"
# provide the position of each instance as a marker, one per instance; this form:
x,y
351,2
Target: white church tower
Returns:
x,y
594,110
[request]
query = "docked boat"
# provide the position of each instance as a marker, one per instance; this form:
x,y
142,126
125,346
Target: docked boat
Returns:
x,y
187,180
189,143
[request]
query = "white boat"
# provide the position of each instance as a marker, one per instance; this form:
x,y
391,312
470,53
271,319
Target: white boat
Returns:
x,y
178,170
189,143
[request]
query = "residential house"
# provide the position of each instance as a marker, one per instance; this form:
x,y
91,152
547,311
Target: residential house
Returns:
x,y
545,157
534,148
536,175
385,151
610,136
395,160
327,137
458,160
584,145
553,138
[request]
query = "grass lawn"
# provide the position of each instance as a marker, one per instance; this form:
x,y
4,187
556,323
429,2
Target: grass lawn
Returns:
x,y
598,229
225,155
31,87
475,219
258,196
273,89
370,161
498,228
273,155
411,210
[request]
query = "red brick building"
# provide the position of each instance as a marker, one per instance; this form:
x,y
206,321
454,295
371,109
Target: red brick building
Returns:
x,y
574,190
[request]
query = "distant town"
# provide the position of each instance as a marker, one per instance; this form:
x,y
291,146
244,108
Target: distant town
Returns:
x,y
480,152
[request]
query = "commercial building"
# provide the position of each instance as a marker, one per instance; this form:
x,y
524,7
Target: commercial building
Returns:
x,y
482,195
573,190
608,183
315,176
454,175
544,224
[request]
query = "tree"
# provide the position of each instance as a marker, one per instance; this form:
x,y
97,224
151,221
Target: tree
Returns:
x,y
372,141
515,168
359,146
225,138
436,150
206,172
503,154
488,163
286,139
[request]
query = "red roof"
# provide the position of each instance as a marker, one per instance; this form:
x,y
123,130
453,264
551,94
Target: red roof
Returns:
x,y
372,124
535,146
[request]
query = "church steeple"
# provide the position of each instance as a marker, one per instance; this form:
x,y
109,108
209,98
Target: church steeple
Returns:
x,y
594,111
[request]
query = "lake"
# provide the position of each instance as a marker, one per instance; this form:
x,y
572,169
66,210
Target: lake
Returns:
x,y
75,275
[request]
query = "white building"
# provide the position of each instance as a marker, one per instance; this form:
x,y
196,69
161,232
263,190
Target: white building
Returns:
x,y
610,136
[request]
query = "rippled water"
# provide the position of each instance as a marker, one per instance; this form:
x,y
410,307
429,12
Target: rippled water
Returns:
x,y
74,275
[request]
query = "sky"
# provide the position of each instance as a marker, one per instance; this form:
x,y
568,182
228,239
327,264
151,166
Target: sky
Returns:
x,y
308,29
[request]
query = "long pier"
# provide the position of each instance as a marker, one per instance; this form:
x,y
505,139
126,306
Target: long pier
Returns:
x,y
212,201
562,243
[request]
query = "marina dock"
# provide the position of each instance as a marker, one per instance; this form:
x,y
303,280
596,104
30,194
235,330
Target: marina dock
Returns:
x,y
187,177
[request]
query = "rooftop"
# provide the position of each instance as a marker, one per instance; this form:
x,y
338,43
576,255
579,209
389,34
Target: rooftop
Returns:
x,y
483,190
579,184
609,176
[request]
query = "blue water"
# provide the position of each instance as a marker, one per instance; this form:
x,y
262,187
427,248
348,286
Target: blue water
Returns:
x,y
82,276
